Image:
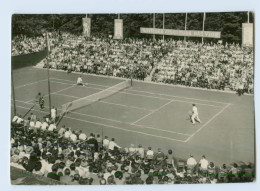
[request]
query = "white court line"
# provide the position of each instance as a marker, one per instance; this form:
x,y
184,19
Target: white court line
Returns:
x,y
156,93
127,92
126,129
217,114
113,127
74,82
124,92
53,93
179,96
94,116
110,103
153,111
174,132
28,84
62,83
198,103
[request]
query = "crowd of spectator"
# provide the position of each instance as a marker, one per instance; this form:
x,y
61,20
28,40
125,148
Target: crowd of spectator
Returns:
x,y
76,158
187,63
103,56
21,44
212,66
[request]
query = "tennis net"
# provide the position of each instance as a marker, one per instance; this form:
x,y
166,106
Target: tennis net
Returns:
x,y
76,104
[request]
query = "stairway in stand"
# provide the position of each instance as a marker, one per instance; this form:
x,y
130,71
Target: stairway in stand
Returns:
x,y
41,64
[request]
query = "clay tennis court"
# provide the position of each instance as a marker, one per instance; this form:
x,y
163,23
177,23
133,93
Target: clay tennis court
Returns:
x,y
150,114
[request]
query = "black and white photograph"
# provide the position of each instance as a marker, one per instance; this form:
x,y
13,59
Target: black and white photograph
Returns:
x,y
132,98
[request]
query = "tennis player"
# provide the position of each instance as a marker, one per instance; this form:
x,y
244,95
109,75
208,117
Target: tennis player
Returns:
x,y
41,102
80,82
195,114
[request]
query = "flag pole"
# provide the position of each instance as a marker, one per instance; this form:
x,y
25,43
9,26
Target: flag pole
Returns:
x,y
247,16
48,72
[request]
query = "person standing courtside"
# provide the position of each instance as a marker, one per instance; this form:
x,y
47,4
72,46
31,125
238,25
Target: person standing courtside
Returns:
x,y
53,114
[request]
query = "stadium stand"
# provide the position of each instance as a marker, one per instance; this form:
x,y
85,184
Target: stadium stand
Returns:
x,y
72,157
42,153
211,66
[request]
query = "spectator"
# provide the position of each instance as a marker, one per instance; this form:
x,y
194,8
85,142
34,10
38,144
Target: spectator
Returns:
x,y
112,145
149,154
203,163
191,165
53,174
53,154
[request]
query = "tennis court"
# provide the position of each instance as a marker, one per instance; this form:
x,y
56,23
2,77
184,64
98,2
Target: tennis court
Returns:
x,y
149,114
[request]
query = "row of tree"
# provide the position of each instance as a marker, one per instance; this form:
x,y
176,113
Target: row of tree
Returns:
x,y
229,23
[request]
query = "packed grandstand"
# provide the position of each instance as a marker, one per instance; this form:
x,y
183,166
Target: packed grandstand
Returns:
x,y
179,62
76,158
73,157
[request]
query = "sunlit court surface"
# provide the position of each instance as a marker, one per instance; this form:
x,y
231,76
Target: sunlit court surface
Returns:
x,y
150,114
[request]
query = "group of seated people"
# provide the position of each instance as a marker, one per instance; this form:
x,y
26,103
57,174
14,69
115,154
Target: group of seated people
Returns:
x,y
188,63
76,158
212,66
48,123
21,44
103,56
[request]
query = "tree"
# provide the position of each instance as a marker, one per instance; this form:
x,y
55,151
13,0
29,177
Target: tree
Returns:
x,y
230,24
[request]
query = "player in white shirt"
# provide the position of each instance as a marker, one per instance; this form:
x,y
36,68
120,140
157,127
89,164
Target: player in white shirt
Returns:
x,y
80,81
195,114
